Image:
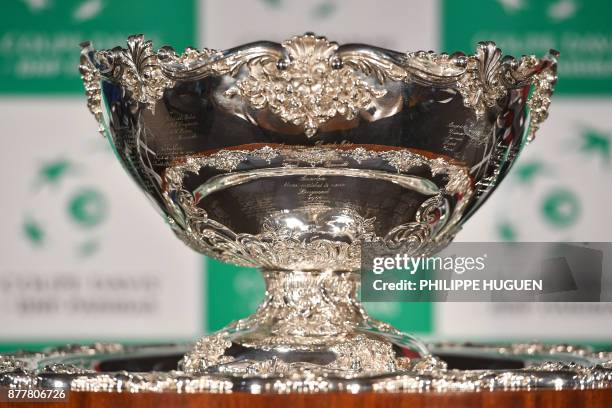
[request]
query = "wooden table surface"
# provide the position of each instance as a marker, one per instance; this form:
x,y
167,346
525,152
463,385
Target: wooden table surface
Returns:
x,y
499,399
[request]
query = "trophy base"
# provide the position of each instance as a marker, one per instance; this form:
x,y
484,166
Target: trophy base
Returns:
x,y
133,374
309,322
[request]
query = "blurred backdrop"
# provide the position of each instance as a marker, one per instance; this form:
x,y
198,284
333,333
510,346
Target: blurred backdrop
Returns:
x,y
84,256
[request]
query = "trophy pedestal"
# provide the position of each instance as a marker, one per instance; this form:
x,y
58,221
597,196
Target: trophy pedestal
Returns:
x,y
309,322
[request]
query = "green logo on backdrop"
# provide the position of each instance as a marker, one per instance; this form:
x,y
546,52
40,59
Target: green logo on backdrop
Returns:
x,y
595,142
60,203
560,207
39,39
579,29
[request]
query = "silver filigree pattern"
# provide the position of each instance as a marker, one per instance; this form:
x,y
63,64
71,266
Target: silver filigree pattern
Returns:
x,y
208,351
228,160
91,81
539,103
301,310
481,86
310,89
137,69
307,80
424,375
366,354
286,248
10,363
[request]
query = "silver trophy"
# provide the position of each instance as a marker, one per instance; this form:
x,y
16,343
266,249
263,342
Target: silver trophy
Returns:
x,y
288,157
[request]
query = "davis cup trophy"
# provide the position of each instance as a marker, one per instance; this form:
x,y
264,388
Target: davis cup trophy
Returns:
x,y
289,157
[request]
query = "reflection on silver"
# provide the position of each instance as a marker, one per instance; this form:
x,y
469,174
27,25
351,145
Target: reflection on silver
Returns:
x,y
314,314
301,239
308,80
289,156
558,367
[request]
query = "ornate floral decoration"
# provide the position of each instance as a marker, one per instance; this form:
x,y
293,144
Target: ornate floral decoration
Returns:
x,y
91,81
306,81
276,247
548,367
310,89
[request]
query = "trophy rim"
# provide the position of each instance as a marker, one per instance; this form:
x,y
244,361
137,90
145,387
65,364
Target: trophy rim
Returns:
x,y
187,65
482,78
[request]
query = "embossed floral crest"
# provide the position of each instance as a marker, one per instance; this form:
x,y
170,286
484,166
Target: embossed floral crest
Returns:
x,y
309,89
308,80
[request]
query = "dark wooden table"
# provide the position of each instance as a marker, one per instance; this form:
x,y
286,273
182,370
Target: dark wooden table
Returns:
x,y
499,399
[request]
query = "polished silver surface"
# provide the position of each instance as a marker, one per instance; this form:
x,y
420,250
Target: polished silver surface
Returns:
x,y
313,105
454,368
290,156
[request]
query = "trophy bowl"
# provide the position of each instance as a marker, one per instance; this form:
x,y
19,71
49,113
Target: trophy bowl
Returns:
x,y
288,157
